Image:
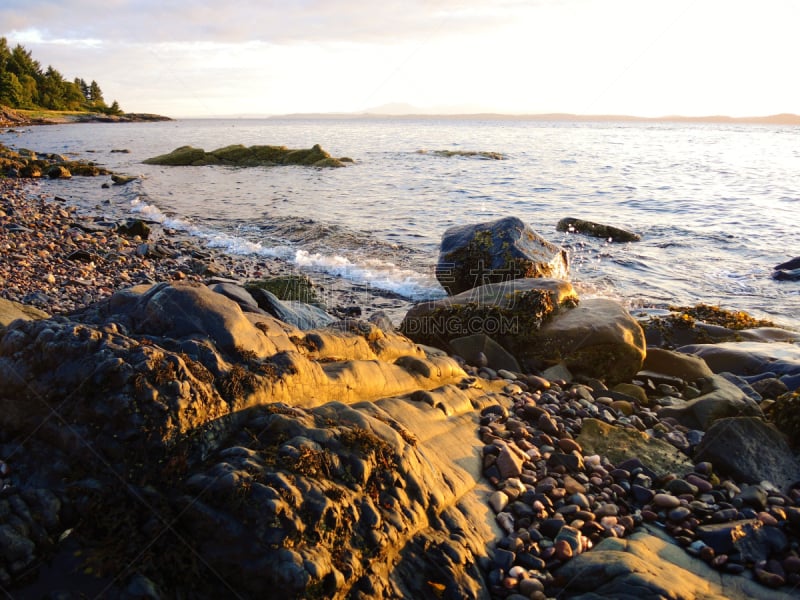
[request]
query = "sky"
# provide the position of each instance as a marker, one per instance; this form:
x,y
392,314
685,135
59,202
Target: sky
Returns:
x,y
646,58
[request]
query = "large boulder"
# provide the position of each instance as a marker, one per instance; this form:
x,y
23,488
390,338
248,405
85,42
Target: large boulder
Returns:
x,y
538,322
504,311
598,338
192,310
475,255
761,452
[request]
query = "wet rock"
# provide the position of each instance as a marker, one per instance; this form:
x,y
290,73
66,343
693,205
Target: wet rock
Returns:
x,y
476,255
608,232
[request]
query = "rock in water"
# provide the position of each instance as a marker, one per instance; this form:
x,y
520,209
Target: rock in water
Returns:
x,y
612,234
475,255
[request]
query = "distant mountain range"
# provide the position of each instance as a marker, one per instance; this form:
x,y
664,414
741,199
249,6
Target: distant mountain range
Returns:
x,y
407,111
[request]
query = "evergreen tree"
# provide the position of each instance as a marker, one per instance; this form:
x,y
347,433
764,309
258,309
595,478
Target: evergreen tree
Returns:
x,y
11,91
96,95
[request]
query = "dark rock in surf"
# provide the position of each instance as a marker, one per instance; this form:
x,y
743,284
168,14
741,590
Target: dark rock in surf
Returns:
x,y
612,234
479,254
789,265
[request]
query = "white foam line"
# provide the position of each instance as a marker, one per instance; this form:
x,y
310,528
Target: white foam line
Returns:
x,y
373,272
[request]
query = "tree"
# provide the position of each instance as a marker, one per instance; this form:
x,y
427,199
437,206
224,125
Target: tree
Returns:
x,y
21,63
11,91
96,95
52,90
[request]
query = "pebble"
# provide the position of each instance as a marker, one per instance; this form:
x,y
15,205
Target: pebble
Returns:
x,y
666,501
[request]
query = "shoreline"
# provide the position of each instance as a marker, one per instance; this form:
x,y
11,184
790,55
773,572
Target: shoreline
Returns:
x,y
72,259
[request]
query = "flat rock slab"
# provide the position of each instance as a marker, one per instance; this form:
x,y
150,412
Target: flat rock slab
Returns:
x,y
620,443
648,565
748,358
11,311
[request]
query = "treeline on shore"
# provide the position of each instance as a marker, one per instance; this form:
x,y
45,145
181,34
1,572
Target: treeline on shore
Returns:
x,y
24,84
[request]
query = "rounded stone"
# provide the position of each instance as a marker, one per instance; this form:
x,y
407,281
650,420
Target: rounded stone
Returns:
x,y
666,501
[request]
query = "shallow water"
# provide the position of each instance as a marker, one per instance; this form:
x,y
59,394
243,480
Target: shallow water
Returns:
x,y
717,205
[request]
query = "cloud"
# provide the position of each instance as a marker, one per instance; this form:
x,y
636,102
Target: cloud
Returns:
x,y
153,21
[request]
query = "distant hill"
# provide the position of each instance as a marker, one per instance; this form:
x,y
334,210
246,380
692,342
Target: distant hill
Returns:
x,y
407,111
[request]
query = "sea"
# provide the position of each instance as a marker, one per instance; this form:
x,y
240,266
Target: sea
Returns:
x,y
717,205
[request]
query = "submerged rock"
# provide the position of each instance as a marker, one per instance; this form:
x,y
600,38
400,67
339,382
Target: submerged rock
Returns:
x,y
475,255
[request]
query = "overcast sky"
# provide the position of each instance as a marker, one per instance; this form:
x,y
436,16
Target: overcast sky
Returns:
x,y
639,57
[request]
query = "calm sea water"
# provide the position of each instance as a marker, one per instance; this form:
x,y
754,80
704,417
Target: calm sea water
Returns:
x,y
718,206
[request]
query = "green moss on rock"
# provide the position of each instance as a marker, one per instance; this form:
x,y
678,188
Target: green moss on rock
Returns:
x,y
288,288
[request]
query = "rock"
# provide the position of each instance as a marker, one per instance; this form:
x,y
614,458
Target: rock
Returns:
x,y
792,275
507,311
648,565
720,399
15,547
238,294
253,156
58,172
789,264
183,310
761,452
134,227
788,271
471,347
472,256
749,358
598,338
11,311
612,234
536,321
123,179
784,414
620,443
510,462
677,364
298,314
